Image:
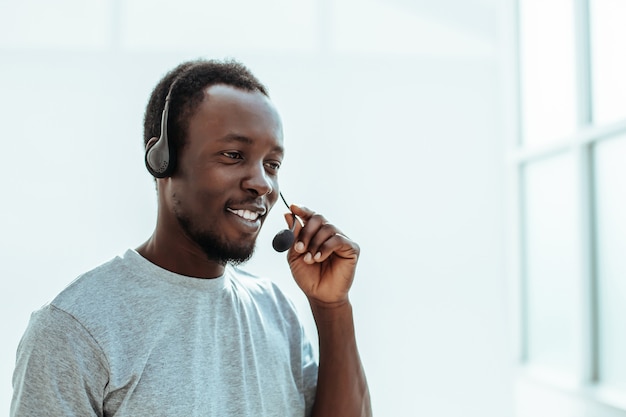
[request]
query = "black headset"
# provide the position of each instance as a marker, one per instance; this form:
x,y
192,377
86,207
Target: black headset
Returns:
x,y
161,160
161,155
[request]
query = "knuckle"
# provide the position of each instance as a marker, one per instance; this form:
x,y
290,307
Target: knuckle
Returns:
x,y
319,218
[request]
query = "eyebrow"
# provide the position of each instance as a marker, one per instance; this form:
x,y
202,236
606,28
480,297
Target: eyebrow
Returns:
x,y
233,137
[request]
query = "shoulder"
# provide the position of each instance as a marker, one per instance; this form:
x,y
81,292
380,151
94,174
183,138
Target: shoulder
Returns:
x,y
55,337
54,346
56,327
97,283
105,299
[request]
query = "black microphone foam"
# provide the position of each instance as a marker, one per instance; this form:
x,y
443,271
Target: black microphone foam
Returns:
x,y
284,239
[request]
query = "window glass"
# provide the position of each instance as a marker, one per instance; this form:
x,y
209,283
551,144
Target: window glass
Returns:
x,y
58,24
610,166
608,32
266,25
406,28
552,271
548,89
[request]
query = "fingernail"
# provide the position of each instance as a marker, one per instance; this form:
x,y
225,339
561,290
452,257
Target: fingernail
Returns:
x,y
318,256
308,258
300,247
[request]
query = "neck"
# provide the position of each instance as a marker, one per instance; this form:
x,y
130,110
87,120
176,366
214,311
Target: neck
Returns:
x,y
188,260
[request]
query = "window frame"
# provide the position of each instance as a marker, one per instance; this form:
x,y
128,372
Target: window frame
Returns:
x,y
536,387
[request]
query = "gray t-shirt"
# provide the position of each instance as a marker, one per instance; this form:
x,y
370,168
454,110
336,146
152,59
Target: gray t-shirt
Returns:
x,y
132,339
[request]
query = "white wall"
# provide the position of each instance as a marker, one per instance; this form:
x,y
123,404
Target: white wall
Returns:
x,y
399,146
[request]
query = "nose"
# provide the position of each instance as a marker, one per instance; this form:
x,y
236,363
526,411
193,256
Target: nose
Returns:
x,y
257,181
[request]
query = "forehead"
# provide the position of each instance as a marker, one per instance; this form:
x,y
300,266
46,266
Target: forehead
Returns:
x,y
229,111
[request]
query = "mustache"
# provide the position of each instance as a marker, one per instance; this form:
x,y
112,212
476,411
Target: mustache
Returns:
x,y
254,201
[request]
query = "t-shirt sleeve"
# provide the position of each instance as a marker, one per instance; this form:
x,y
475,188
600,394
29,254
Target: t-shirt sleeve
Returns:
x,y
60,369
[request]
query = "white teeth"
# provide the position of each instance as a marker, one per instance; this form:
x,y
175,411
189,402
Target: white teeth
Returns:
x,y
246,214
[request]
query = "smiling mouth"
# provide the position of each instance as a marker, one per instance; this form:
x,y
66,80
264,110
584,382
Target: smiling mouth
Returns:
x,y
245,214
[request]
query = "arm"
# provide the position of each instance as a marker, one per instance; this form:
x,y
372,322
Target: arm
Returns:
x,y
59,371
342,387
323,263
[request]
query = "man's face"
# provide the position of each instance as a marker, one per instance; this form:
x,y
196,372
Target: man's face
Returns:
x,y
227,175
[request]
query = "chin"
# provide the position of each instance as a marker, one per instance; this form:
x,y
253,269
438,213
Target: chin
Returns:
x,y
220,247
227,252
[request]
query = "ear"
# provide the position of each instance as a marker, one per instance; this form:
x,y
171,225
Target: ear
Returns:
x,y
151,143
158,160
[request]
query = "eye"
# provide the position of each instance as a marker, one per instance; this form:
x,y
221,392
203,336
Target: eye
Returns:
x,y
233,155
272,165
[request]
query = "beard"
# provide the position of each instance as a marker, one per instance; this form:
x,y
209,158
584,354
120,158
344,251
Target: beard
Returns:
x,y
215,247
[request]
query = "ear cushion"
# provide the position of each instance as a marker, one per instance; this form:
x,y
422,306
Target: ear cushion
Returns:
x,y
158,159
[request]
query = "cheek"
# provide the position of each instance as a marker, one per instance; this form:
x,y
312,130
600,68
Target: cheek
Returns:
x,y
274,198
207,199
197,199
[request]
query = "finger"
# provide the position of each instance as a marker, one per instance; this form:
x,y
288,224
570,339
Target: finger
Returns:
x,y
290,218
302,212
338,245
323,234
316,230
306,234
305,214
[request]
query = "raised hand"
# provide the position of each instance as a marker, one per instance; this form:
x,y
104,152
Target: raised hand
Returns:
x,y
322,260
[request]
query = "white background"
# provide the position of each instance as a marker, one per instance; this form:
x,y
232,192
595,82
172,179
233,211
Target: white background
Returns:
x,y
393,120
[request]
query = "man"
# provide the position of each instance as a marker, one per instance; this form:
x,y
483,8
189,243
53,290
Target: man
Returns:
x,y
174,328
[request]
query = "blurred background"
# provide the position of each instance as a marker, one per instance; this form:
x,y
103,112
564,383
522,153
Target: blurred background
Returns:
x,y
474,148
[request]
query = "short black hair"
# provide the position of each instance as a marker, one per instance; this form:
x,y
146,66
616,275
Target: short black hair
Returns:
x,y
189,80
